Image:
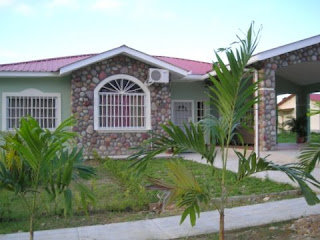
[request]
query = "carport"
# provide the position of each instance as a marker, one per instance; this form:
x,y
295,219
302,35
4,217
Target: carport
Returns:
x,y
292,68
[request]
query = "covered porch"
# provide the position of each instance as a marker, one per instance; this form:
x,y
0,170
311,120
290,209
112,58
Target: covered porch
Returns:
x,y
289,69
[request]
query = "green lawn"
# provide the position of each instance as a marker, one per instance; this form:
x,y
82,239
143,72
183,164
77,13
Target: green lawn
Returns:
x,y
291,137
121,196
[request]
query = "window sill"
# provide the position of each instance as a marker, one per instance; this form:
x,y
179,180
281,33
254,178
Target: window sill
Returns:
x,y
122,130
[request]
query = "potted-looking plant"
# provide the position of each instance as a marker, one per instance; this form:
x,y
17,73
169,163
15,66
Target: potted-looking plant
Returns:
x,y
298,126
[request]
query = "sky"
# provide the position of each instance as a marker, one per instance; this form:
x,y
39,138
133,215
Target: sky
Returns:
x,y
192,29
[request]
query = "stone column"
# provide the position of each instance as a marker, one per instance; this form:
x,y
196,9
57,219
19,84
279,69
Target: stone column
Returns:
x,y
267,108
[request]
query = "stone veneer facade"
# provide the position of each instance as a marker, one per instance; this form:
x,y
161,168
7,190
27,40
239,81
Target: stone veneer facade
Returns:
x,y
268,101
84,82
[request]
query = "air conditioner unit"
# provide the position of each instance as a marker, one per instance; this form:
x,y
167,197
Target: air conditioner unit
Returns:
x,y
158,76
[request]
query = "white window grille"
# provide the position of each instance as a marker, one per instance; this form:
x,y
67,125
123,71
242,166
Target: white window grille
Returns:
x,y
200,110
122,105
41,106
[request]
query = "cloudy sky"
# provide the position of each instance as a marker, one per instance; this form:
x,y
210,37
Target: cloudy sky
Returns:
x,y
33,29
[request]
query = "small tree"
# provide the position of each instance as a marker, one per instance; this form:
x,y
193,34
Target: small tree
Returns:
x,y
34,160
232,94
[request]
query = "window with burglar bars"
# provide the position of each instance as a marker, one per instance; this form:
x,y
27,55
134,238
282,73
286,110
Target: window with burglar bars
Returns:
x,y
122,105
42,108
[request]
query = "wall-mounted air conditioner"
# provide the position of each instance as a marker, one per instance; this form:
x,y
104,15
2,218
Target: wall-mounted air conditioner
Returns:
x,y
158,76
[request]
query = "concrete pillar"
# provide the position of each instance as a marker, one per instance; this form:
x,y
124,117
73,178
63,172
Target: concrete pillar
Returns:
x,y
302,106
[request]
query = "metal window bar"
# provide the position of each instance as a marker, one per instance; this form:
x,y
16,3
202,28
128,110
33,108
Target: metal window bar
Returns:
x,y
121,111
42,108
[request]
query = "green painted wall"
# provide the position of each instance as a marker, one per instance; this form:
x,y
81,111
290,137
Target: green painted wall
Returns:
x,y
195,91
60,85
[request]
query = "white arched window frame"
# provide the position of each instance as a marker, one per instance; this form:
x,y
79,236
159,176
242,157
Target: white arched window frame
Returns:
x,y
122,104
44,107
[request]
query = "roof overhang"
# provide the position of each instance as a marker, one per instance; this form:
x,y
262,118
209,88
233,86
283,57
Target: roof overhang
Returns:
x,y
284,49
125,51
29,74
276,51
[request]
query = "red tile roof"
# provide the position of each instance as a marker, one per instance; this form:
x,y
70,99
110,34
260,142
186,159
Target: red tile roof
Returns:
x,y
315,97
42,65
196,67
54,64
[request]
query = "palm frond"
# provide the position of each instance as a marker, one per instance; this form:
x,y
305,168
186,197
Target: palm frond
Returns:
x,y
315,110
184,189
190,137
251,165
310,156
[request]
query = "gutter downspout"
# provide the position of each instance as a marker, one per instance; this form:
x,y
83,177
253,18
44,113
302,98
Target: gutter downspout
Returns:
x,y
256,114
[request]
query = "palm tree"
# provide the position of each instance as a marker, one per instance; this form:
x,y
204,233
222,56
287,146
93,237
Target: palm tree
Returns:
x,y
34,160
232,93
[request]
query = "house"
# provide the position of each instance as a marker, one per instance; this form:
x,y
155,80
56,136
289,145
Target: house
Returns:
x,y
121,96
287,110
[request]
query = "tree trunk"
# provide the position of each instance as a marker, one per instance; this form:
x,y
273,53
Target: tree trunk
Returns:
x,y
221,230
31,227
222,204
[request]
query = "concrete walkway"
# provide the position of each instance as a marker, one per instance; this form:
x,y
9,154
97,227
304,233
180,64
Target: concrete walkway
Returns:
x,y
169,228
280,157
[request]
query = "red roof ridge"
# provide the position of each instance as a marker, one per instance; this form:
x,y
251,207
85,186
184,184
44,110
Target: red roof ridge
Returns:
x,y
191,60
49,59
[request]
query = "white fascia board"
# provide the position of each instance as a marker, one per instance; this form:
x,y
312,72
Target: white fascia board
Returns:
x,y
284,49
213,73
191,78
126,51
29,74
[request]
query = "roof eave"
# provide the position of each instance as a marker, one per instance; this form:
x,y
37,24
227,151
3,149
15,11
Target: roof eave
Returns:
x,y
284,49
29,74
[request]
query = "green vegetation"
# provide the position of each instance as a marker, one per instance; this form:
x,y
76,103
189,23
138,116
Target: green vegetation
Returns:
x,y
232,92
288,137
38,166
120,196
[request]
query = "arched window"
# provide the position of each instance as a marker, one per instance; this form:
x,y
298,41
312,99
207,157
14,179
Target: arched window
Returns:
x,y
122,103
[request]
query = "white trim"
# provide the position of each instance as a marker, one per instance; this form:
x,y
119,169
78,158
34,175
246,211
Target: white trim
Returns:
x,y
213,73
284,49
192,108
192,78
126,51
266,89
30,92
29,74
123,130
256,114
96,103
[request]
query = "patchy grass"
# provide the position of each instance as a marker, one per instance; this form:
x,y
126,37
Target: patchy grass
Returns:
x,y
121,196
288,137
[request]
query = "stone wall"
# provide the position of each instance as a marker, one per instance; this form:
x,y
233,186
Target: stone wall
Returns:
x,y
267,107
84,82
